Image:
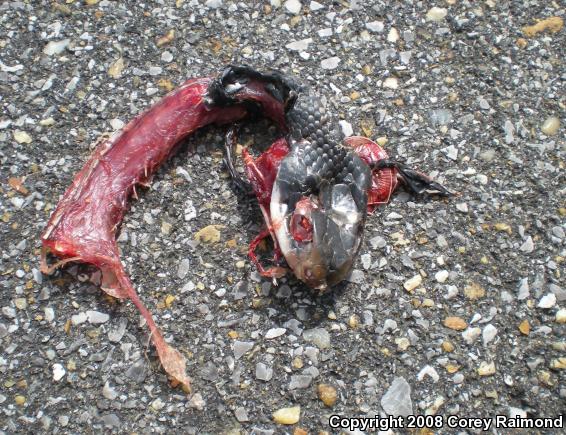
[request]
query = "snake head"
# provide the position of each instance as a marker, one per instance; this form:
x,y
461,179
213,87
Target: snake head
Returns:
x,y
319,232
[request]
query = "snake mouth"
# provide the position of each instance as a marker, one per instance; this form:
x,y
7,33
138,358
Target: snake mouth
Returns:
x,y
318,234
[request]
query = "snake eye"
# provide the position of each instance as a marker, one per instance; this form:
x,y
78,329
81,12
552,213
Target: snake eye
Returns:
x,y
301,227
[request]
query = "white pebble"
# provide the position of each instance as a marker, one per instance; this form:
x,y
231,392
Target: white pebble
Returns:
x,y
375,26
346,128
116,123
330,63
315,6
77,319
96,317
300,45
274,333
391,83
430,372
393,35
213,4
49,314
528,245
58,372
166,56
471,334
436,14
293,6
56,47
547,301
489,333
441,276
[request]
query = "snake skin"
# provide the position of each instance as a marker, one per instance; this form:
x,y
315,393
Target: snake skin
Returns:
x,y
316,136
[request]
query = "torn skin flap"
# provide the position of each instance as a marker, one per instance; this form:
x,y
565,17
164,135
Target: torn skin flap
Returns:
x,y
84,224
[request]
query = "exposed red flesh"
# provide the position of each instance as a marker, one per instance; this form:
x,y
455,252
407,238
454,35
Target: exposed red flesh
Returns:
x,y
84,224
261,173
383,181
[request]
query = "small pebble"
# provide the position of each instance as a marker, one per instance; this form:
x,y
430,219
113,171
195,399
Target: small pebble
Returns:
x,y
488,334
486,369
318,336
397,400
441,276
330,63
547,301
96,317
430,372
287,415
550,126
263,372
455,323
58,372
293,6
436,14
375,26
274,333
561,316
327,394
412,283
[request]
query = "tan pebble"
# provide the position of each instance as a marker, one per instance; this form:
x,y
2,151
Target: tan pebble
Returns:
x,y
328,394
71,365
560,346
115,70
552,24
502,226
22,383
402,343
545,377
300,431
412,283
209,234
331,315
166,84
492,394
47,122
550,126
166,228
287,415
354,95
558,363
455,323
21,303
447,346
561,316
474,291
486,369
297,363
166,39
366,70
20,400
525,327
521,42
22,137
452,368
381,141
240,264
233,334
484,260
353,321
427,303
90,2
